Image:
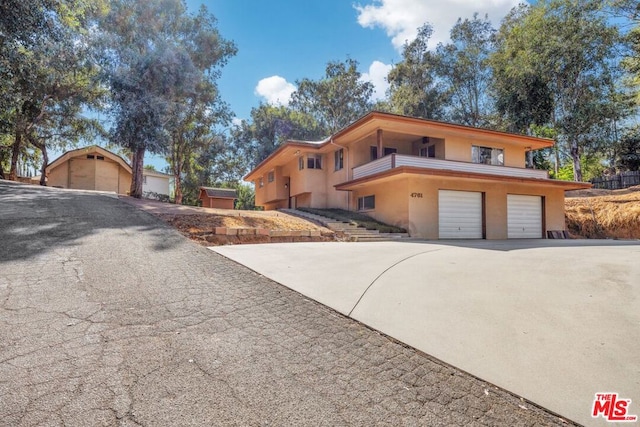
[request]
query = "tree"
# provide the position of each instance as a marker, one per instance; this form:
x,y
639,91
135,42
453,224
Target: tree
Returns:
x,y
628,150
463,65
270,126
414,89
194,116
336,100
555,63
157,58
47,76
246,197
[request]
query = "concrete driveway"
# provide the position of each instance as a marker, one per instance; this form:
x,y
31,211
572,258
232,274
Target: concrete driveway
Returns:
x,y
108,317
553,321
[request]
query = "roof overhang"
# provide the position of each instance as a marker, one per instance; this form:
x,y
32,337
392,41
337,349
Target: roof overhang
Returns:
x,y
373,121
282,154
398,172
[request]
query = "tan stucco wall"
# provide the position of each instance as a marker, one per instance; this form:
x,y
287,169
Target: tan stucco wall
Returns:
x,y
391,203
412,202
58,177
125,182
459,149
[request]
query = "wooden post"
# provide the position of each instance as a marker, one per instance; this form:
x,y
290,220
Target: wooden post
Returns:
x,y
379,144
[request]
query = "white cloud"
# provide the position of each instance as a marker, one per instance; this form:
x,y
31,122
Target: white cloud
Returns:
x,y
401,18
236,121
377,75
275,90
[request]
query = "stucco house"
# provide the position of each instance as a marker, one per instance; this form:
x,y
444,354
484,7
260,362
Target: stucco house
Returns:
x,y
95,168
221,198
437,180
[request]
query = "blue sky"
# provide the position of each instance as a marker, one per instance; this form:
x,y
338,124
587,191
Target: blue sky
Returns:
x,y
281,41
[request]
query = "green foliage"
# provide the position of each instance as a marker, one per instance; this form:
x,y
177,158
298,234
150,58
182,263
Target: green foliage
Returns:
x,y
270,126
337,99
555,65
628,151
47,76
463,66
161,64
413,85
592,167
246,197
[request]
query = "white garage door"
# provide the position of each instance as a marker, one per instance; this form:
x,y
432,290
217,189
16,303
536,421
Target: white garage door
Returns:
x,y
459,214
524,215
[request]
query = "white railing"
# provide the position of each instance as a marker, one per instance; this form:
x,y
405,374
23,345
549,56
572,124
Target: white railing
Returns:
x,y
397,160
379,165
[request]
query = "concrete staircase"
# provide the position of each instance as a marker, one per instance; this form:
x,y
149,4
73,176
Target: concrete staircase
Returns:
x,y
352,233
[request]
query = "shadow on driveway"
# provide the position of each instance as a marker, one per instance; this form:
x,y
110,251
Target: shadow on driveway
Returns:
x,y
35,220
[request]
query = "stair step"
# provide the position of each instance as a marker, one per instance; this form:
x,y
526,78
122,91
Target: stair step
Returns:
x,y
353,232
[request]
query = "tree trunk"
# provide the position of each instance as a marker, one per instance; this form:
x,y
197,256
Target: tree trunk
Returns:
x,y
15,153
177,189
575,156
137,164
45,163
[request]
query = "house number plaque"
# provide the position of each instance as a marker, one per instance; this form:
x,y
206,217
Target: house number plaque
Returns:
x,y
416,195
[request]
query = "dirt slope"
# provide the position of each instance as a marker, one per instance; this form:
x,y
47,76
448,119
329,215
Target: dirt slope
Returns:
x,y
602,214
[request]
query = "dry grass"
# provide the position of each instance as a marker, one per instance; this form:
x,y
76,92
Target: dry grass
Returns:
x,y
205,223
614,216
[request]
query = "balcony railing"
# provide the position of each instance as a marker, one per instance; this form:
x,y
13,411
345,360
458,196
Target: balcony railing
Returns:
x,y
397,160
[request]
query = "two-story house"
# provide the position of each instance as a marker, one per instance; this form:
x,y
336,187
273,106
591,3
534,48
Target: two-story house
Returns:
x,y
437,180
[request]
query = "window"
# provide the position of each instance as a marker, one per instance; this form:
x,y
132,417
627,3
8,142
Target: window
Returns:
x,y
270,176
487,155
100,157
314,161
339,159
428,151
90,156
366,202
300,162
260,183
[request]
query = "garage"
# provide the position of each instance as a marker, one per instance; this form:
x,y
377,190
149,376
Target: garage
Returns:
x,y
82,174
460,215
524,217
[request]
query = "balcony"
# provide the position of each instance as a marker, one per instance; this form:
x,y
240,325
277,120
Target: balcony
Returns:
x,y
397,160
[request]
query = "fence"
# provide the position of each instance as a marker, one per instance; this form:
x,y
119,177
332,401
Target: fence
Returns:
x,y
618,181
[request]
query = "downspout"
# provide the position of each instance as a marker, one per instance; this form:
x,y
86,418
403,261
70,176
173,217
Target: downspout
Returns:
x,y
348,193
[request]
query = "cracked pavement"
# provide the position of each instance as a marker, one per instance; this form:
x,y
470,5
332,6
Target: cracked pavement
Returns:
x,y
108,317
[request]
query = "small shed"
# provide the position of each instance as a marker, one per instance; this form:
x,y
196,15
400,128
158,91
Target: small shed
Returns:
x,y
220,198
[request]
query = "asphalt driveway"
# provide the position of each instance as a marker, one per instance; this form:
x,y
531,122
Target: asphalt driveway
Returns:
x,y
108,317
553,321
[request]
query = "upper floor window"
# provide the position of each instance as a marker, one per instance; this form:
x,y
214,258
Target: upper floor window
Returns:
x,y
314,161
271,176
428,151
339,157
300,162
487,155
